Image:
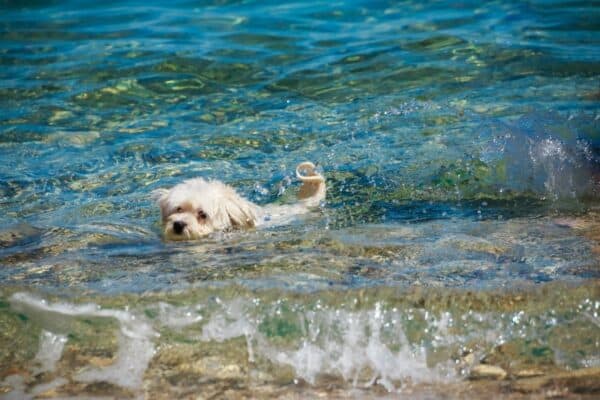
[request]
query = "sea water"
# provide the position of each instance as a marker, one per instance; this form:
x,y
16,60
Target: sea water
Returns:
x,y
461,147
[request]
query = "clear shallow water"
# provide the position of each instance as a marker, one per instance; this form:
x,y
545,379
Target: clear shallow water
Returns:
x,y
453,138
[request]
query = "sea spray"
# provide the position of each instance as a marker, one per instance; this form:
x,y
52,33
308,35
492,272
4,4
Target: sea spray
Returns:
x,y
49,352
362,347
136,346
354,340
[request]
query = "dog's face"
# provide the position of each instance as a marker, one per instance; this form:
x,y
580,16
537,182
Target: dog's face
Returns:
x,y
196,208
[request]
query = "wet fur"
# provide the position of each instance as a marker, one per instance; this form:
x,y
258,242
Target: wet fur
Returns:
x,y
198,207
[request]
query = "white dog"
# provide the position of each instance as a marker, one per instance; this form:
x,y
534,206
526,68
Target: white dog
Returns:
x,y
198,207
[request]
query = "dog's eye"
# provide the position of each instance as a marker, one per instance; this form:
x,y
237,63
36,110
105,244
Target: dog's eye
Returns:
x,y
202,215
179,209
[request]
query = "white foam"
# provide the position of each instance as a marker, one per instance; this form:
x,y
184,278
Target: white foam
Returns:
x,y
178,317
44,387
339,343
128,369
135,338
233,323
49,352
308,361
19,391
359,348
230,324
54,315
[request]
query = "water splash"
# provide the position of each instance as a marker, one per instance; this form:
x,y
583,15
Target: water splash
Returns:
x,y
135,338
392,343
363,348
545,154
49,352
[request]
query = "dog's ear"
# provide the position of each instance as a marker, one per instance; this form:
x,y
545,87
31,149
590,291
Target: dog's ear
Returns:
x,y
236,212
241,214
160,196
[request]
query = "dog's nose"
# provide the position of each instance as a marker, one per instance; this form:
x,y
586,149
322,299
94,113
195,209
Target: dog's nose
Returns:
x,y
178,227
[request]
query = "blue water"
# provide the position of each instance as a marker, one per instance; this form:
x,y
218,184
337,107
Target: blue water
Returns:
x,y
456,139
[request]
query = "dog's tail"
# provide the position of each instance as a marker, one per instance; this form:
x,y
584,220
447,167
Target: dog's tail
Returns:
x,y
313,188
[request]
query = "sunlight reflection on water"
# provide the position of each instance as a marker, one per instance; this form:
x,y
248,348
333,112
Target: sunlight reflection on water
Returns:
x,y
460,145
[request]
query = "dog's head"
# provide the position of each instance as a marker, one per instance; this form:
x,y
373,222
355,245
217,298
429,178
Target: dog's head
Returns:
x,y
197,207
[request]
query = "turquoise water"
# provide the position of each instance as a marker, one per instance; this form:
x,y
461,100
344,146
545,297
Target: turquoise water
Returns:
x,y
455,138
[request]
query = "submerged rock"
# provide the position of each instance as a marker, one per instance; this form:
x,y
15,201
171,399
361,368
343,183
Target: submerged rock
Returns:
x,y
581,381
18,234
588,226
528,373
484,371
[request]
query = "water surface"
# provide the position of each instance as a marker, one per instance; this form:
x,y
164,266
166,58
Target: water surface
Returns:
x,y
461,147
